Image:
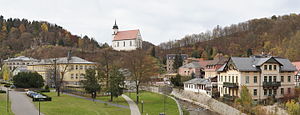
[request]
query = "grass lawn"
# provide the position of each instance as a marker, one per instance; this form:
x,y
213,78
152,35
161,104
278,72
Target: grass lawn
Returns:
x,y
3,105
68,105
119,100
154,103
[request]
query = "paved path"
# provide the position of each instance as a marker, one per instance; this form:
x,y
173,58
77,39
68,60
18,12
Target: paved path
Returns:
x,y
134,109
21,104
86,98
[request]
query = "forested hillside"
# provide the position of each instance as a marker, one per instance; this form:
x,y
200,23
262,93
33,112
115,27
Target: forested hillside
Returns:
x,y
17,35
277,35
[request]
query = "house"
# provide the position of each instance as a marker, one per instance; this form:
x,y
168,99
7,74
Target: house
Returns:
x,y
190,69
264,76
126,40
75,69
212,67
198,85
19,64
170,61
297,73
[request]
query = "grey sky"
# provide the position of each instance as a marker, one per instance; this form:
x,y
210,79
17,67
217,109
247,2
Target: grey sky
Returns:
x,y
158,20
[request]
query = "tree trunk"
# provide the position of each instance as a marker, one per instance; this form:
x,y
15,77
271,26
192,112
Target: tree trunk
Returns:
x,y
111,97
58,91
137,94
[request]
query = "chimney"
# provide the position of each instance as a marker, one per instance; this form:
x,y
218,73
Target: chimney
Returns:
x,y
69,55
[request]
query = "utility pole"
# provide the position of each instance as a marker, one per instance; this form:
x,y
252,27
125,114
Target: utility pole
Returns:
x,y
55,78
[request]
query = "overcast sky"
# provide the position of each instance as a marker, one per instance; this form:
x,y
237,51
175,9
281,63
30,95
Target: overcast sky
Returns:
x,y
158,20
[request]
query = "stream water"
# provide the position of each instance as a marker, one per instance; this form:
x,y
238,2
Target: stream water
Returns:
x,y
195,109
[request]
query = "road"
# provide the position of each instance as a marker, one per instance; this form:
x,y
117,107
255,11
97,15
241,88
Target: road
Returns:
x,y
21,104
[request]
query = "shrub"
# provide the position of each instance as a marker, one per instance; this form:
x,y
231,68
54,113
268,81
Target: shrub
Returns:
x,y
2,91
28,80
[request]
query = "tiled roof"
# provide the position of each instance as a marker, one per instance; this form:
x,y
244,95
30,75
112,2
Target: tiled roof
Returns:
x,y
21,58
64,60
253,63
198,81
126,35
191,65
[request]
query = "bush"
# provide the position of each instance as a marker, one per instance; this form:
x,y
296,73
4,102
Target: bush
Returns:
x,y
7,85
2,91
28,80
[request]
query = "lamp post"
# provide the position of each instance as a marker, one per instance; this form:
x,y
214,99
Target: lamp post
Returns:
x,y
142,106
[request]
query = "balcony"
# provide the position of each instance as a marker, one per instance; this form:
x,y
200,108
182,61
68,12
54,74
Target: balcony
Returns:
x,y
271,84
230,85
228,97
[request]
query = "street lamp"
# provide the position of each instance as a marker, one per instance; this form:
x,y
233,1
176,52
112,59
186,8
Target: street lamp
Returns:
x,y
142,106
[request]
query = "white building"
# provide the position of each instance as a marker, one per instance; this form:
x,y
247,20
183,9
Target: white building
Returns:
x,y
126,40
198,85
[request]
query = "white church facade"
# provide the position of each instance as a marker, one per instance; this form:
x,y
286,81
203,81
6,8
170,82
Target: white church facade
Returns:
x,y
126,40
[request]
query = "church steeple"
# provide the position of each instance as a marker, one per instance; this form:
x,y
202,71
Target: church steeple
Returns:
x,y
115,28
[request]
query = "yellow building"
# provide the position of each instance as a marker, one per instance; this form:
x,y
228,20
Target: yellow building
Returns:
x,y
264,77
74,69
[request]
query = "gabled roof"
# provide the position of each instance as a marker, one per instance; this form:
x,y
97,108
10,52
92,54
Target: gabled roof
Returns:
x,y
253,63
191,65
126,35
198,81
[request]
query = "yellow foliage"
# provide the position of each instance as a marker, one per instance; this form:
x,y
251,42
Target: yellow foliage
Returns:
x,y
44,27
5,72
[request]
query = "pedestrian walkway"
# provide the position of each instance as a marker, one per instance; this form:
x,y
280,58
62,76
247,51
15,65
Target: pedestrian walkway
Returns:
x,y
86,98
21,104
134,109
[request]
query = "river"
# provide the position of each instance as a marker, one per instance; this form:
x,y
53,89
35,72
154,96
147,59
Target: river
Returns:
x,y
195,109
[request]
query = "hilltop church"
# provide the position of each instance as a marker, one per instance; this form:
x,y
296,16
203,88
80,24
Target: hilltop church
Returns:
x,y
126,40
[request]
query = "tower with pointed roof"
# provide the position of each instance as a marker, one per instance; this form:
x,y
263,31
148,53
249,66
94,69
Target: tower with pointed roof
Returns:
x,y
126,40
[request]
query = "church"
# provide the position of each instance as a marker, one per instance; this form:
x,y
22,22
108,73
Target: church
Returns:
x,y
126,40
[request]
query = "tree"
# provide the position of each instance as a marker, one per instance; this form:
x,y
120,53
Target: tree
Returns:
x,y
196,54
28,80
153,53
91,82
44,27
116,83
245,99
293,107
205,55
141,66
22,28
177,81
249,52
178,61
5,72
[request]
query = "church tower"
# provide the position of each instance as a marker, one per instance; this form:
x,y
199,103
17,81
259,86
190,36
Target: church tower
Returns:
x,y
115,28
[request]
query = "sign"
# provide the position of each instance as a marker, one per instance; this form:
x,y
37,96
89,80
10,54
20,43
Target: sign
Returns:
x,y
42,99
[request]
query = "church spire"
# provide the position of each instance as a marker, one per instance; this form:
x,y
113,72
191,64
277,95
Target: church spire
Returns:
x,y
115,26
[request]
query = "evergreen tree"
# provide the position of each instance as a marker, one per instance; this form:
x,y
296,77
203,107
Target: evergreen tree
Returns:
x,y
28,80
177,61
249,52
196,54
245,99
91,82
116,83
176,81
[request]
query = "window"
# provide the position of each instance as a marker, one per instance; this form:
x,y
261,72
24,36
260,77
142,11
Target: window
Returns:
x,y
232,78
225,79
275,67
76,67
229,78
255,79
236,78
282,79
254,92
274,78
289,90
81,67
289,78
270,92
270,67
72,76
265,78
247,79
282,91
265,67
130,43
221,78
275,91
270,78
124,43
117,44
72,67
265,92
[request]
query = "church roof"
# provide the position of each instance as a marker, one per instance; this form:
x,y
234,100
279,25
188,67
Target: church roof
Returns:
x,y
126,35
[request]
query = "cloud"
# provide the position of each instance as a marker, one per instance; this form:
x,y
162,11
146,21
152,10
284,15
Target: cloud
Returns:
x,y
158,20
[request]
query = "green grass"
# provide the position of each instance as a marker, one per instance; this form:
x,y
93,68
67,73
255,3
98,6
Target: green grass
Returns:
x,y
68,105
119,100
3,105
154,103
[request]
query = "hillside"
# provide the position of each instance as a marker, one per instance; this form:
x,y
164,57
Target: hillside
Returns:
x,y
277,35
17,35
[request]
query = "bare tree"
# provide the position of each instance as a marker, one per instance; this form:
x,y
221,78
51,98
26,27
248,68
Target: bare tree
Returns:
x,y
141,66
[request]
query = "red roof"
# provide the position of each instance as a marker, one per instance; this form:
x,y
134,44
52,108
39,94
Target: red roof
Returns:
x,y
297,64
126,35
